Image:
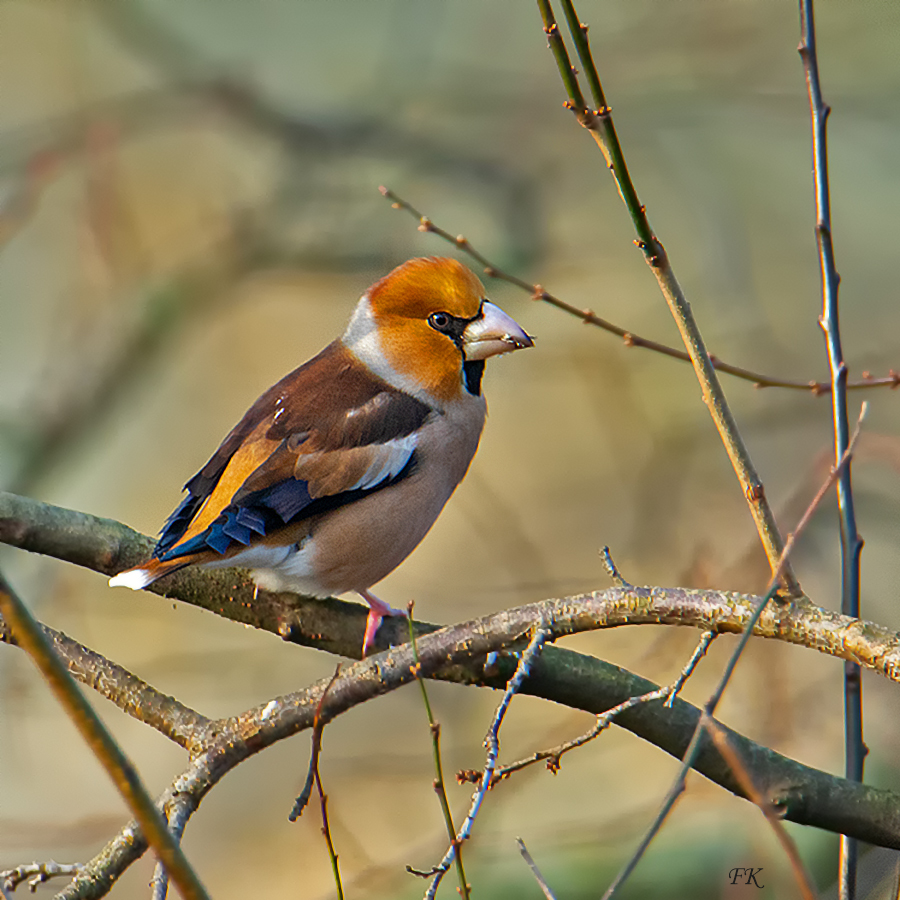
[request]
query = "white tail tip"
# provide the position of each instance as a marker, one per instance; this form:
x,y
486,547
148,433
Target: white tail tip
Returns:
x,y
132,578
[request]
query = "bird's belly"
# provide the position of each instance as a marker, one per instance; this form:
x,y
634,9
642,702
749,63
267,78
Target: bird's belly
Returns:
x,y
293,572
353,547
278,568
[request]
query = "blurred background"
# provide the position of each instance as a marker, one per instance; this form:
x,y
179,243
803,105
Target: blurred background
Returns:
x,y
189,209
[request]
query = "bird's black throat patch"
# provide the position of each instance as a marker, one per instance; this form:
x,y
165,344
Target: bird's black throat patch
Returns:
x,y
473,369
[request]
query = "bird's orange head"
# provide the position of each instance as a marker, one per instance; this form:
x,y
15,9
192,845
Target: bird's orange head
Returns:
x,y
426,320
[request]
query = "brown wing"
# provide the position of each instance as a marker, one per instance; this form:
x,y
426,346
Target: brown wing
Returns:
x,y
325,435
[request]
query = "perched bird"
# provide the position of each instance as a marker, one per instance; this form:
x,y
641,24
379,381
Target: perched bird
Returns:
x,y
337,472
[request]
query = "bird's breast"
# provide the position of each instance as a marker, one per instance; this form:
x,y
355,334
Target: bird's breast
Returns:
x,y
355,546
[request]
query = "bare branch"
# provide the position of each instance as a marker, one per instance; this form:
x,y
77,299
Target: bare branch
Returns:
x,y
492,744
178,814
131,694
603,722
851,542
599,124
36,874
336,626
538,877
629,338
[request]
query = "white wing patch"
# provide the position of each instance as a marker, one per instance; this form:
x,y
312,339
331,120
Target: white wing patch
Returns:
x,y
390,459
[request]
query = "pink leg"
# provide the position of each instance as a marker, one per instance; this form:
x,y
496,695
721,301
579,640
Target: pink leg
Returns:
x,y
377,611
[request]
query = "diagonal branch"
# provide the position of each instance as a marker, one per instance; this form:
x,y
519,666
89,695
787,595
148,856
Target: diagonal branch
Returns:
x,y
29,635
132,695
630,339
600,125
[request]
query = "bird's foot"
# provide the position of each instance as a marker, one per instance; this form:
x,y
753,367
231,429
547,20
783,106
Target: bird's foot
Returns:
x,y
378,609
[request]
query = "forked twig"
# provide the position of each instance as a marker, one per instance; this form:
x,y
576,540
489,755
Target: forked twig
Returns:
x,y
313,778
604,720
315,749
36,874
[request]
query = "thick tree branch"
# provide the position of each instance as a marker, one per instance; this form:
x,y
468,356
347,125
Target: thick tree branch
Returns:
x,y
803,794
336,626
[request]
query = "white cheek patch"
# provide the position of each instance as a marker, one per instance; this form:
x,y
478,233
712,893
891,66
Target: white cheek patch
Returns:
x,y
361,339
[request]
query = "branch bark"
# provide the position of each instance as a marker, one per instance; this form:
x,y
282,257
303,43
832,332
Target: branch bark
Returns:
x,y
799,793
335,626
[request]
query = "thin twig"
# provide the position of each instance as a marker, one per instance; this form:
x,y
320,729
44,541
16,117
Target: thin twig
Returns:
x,y
181,810
439,783
326,832
733,758
612,569
538,877
492,744
604,720
629,338
36,874
313,776
600,125
315,750
710,707
31,638
688,670
851,543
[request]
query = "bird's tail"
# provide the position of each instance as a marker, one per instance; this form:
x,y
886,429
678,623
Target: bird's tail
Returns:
x,y
145,574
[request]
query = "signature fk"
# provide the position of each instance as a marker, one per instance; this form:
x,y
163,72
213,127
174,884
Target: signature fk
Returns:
x,y
751,874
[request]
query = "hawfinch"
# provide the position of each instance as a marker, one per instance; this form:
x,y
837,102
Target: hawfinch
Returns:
x,y
335,474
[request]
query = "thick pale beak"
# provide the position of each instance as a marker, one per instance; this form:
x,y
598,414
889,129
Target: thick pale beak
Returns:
x,y
493,332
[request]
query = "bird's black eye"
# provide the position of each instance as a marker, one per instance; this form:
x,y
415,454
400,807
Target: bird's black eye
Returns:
x,y
440,321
